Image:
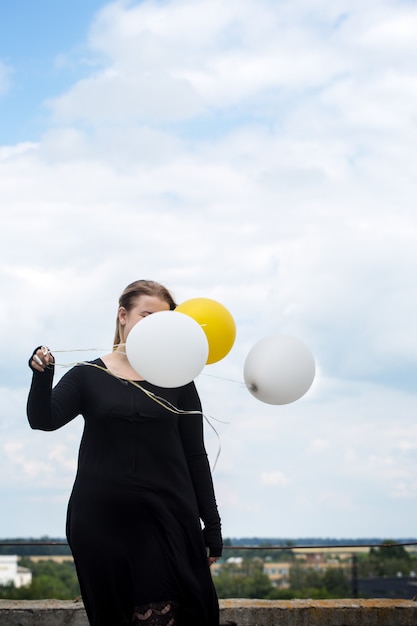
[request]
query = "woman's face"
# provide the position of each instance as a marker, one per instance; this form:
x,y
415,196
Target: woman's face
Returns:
x,y
143,306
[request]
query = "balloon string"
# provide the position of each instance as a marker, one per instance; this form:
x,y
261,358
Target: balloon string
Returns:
x,y
88,349
71,364
164,403
230,380
161,401
219,448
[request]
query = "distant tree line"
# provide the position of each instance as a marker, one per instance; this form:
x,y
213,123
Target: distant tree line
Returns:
x,y
248,580
264,549
35,547
243,579
387,560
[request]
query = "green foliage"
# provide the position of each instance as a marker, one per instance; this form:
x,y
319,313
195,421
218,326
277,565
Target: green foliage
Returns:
x,y
311,583
388,551
314,593
246,580
386,560
49,580
234,580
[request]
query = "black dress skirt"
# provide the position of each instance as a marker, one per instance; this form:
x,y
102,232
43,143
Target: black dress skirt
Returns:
x,y
142,488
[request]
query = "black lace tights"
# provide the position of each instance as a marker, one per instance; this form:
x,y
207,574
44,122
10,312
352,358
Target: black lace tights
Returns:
x,y
155,614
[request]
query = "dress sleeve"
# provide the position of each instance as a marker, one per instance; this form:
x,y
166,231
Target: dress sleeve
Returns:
x,y
191,431
49,409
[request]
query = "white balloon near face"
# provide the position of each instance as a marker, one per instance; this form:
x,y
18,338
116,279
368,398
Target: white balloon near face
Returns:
x,y
167,348
279,369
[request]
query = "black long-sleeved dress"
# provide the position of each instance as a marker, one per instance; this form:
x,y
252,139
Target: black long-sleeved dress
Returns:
x,y
142,486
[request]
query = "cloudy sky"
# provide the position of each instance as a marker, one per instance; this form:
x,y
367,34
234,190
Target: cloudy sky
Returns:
x,y
258,152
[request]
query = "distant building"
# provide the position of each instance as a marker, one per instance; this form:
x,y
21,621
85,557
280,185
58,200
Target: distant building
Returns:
x,y
12,574
278,573
388,587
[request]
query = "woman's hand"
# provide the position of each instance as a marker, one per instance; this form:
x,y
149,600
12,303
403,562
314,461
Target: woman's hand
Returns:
x,y
212,559
41,358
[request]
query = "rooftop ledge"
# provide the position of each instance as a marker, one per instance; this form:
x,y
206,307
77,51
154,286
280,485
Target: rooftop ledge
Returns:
x,y
235,612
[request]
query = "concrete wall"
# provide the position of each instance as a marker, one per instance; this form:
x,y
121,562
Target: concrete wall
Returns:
x,y
236,613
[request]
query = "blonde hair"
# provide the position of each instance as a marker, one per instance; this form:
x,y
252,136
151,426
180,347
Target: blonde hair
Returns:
x,y
132,292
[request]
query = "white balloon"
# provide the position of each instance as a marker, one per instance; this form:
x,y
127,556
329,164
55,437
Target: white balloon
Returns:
x,y
167,348
279,369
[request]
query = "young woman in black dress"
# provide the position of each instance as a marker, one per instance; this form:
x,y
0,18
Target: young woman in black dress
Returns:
x,y
142,521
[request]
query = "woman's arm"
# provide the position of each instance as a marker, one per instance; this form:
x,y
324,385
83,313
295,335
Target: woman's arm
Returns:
x,y
47,408
191,431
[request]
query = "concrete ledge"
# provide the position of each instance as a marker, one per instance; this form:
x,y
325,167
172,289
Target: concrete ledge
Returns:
x,y
236,612
42,613
319,612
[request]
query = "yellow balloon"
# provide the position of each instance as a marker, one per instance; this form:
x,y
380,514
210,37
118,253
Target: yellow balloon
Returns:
x,y
217,323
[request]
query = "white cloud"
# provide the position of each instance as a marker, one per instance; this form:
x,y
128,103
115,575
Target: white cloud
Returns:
x,y
397,29
274,478
261,154
179,60
319,445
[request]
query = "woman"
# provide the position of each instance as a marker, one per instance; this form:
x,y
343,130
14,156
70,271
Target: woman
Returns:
x,y
142,486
